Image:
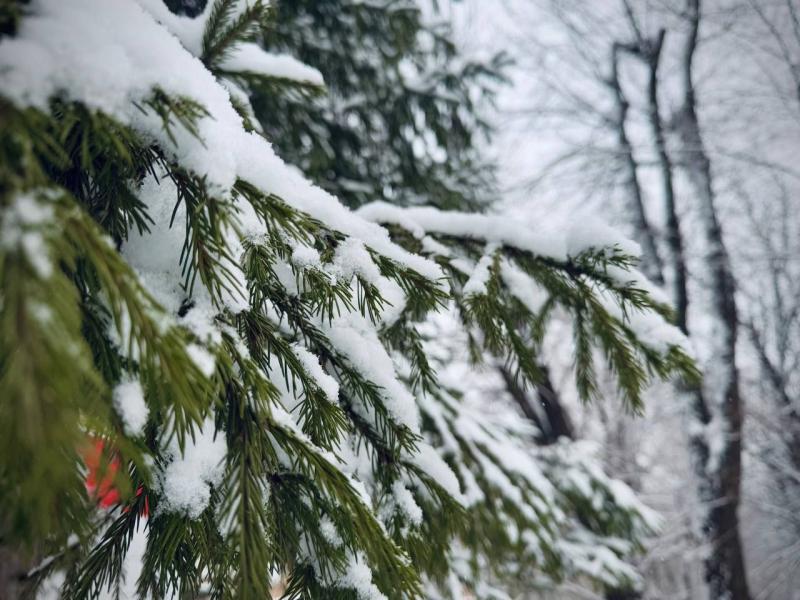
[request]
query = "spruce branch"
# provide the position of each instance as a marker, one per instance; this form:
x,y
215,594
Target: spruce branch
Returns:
x,y
224,29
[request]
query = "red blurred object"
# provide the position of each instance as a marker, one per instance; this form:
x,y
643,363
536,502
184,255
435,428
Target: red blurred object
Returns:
x,y
104,491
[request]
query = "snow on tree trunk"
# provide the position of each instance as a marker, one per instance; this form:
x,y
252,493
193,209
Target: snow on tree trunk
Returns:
x,y
716,441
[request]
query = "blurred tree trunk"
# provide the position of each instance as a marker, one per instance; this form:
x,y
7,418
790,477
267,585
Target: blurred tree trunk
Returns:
x,y
544,409
716,435
651,261
650,52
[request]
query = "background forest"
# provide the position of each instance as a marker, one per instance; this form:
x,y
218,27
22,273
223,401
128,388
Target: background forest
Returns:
x,y
368,299
601,117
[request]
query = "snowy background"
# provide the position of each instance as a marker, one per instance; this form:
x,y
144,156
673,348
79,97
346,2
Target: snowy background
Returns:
x,y
555,145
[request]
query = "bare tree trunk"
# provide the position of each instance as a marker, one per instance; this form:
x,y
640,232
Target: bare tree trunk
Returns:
x,y
652,55
651,264
716,439
649,51
774,338
548,414
651,261
544,410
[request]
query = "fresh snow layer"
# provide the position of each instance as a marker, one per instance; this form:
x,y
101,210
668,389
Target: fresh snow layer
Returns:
x,y
650,328
186,481
310,362
523,287
479,279
244,58
427,459
358,576
579,237
353,336
557,244
128,398
251,58
405,503
20,229
131,55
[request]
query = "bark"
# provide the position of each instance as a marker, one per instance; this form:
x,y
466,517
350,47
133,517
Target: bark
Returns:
x,y
720,409
651,261
674,237
648,50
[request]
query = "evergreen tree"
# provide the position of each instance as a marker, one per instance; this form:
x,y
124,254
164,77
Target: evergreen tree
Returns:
x,y
199,346
401,114
373,58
